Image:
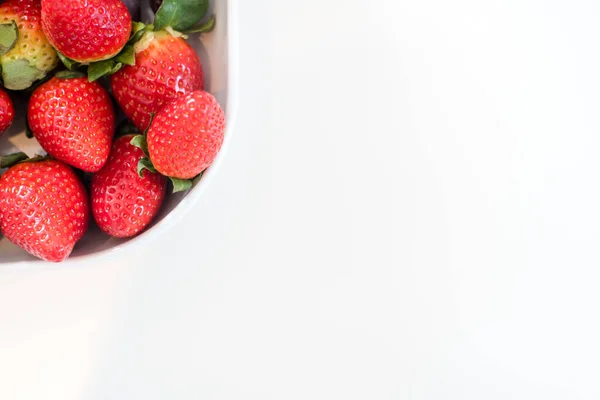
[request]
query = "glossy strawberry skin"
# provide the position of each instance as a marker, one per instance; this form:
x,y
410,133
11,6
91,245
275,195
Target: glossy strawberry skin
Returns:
x,y
86,31
123,203
74,121
166,69
44,208
186,135
7,111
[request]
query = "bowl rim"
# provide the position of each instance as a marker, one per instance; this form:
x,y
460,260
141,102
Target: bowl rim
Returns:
x,y
188,202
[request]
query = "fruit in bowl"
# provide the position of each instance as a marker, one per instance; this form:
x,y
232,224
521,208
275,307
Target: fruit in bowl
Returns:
x,y
84,179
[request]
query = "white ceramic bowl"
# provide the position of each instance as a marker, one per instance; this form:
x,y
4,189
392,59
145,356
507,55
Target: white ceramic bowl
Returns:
x,y
217,50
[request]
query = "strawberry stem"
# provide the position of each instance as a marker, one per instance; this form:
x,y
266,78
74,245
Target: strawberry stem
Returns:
x,y
67,62
12,159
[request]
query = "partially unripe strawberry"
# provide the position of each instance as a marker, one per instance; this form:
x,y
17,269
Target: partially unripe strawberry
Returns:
x,y
31,56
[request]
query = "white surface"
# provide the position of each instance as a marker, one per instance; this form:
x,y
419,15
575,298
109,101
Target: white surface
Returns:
x,y
409,210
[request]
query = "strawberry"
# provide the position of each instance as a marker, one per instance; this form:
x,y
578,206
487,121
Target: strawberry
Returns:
x,y
44,208
73,120
123,202
165,67
86,31
186,135
25,53
7,111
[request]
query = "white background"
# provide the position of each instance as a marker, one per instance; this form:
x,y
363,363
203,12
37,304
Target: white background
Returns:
x,y
409,210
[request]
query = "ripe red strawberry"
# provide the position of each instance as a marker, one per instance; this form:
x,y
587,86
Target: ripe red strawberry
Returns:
x,y
165,67
186,135
31,57
123,203
7,111
44,208
73,120
86,31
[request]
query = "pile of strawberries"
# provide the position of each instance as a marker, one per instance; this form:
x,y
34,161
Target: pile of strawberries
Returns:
x,y
74,57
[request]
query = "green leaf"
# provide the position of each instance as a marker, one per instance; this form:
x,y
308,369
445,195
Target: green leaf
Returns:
x,y
145,164
67,62
140,142
203,28
69,74
9,33
12,159
126,56
180,185
101,68
19,74
149,123
180,14
138,30
137,27
197,179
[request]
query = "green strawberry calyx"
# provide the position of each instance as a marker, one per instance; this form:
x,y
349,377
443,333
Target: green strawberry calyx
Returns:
x,y
140,142
181,185
126,56
71,65
9,160
180,14
145,164
205,27
144,42
176,17
148,37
